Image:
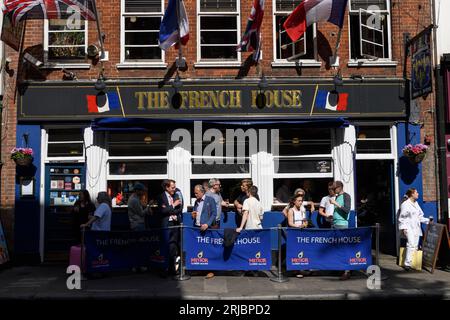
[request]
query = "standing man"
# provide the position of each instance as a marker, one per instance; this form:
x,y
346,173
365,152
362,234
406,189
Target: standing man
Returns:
x,y
214,192
341,213
136,213
204,214
326,208
170,205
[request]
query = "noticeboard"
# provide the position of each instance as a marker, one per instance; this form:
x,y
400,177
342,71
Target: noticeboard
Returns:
x,y
435,236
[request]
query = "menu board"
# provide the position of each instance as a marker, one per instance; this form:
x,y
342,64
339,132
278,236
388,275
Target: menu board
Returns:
x,y
65,186
435,236
4,257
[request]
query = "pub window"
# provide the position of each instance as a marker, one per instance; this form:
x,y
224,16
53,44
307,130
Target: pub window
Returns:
x,y
285,49
230,189
370,29
65,143
65,39
140,30
136,157
304,160
218,30
373,139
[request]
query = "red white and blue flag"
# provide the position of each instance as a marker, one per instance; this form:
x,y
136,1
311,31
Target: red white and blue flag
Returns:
x,y
103,102
251,40
47,9
311,11
173,29
333,100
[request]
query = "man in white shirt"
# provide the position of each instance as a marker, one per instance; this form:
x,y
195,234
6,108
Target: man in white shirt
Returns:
x,y
326,208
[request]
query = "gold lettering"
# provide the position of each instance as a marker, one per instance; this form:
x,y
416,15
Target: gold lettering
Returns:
x,y
194,100
164,99
152,100
235,98
204,99
297,98
287,98
269,97
140,96
184,99
277,98
222,101
214,98
253,100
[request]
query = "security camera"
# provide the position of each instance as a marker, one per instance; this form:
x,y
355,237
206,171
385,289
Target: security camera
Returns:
x,y
35,62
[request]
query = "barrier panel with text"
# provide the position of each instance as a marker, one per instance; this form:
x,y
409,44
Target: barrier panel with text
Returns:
x,y
329,249
206,250
116,250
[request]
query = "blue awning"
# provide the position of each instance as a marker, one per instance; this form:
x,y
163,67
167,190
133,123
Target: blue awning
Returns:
x,y
144,124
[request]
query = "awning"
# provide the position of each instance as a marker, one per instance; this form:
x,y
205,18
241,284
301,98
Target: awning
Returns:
x,y
143,124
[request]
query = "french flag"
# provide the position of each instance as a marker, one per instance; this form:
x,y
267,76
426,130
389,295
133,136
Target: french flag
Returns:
x,y
311,11
102,102
168,31
333,100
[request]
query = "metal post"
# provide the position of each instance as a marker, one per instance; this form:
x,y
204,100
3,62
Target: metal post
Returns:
x,y
182,276
377,243
100,35
82,262
280,277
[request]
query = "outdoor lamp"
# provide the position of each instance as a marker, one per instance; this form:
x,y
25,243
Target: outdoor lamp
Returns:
x,y
100,84
176,98
261,99
337,80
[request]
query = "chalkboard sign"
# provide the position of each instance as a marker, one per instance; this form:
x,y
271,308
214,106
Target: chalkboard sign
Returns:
x,y
435,234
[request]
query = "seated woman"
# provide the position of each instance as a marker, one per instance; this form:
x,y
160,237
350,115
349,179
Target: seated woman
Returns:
x,y
297,217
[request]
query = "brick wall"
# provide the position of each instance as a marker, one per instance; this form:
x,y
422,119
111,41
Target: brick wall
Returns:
x,y
409,16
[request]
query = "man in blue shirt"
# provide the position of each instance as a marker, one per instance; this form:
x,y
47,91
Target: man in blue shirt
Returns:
x,y
101,220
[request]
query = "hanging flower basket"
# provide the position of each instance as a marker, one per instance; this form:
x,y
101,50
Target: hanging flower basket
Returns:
x,y
415,153
22,156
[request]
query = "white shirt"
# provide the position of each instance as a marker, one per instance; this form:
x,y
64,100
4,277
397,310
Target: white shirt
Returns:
x,y
325,203
299,215
411,216
255,213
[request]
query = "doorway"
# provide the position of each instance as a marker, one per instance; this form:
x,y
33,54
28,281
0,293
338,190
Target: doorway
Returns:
x,y
375,203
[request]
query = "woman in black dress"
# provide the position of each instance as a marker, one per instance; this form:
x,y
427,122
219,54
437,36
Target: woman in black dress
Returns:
x,y
82,209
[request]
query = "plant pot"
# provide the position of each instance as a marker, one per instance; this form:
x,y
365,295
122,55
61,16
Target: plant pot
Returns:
x,y
23,161
417,158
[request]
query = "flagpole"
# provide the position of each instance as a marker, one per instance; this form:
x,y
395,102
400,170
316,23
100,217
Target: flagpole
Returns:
x,y
100,37
338,44
180,50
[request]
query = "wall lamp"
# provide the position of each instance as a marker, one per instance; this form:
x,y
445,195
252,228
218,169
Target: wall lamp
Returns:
x,y
176,98
100,84
261,99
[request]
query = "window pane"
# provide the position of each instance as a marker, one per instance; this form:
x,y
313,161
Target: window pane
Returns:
x,y
142,5
142,23
218,52
304,141
125,188
141,38
219,37
62,24
221,168
378,37
218,5
215,23
66,38
152,53
371,146
230,189
65,150
286,48
364,4
73,134
287,5
304,166
364,132
315,188
148,144
138,167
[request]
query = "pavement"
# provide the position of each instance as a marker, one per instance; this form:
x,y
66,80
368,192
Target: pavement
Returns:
x,y
49,282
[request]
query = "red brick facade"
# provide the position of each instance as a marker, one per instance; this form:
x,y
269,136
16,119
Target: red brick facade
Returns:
x,y
407,16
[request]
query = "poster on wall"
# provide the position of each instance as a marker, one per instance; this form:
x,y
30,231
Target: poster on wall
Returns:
x,y
421,69
4,257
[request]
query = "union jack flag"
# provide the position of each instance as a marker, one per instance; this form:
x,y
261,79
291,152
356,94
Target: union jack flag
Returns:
x,y
47,9
251,40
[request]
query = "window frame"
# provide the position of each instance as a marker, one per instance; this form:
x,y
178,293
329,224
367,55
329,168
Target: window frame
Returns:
x,y
71,63
75,159
377,156
144,62
218,62
388,61
284,62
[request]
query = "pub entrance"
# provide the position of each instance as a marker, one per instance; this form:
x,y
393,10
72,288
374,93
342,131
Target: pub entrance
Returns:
x,y
375,199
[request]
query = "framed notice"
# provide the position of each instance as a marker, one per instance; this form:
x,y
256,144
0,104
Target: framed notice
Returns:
x,y
26,187
421,68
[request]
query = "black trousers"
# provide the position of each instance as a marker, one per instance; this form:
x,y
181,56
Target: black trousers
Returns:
x,y
174,244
